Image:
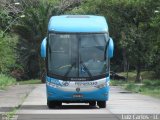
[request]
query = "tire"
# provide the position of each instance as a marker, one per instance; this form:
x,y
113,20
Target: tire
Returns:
x,y
101,104
54,104
51,104
58,103
92,103
43,77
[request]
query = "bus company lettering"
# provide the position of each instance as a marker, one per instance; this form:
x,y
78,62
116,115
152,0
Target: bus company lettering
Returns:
x,y
86,83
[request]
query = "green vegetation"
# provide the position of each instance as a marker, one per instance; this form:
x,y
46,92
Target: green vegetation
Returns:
x,y
133,25
34,81
148,86
11,114
7,53
6,81
144,75
29,20
31,31
117,82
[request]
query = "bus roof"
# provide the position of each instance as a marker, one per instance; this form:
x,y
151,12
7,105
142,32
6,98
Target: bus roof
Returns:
x,y
78,23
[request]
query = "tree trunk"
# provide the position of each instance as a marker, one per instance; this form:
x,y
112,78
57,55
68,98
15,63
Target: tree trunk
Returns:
x,y
125,64
33,67
127,70
138,77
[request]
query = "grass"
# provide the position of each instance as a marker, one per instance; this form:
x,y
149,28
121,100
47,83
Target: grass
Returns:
x,y
6,81
11,114
33,81
117,82
144,75
149,85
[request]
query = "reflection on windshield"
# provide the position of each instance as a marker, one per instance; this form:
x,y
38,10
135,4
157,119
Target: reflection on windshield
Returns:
x,y
77,55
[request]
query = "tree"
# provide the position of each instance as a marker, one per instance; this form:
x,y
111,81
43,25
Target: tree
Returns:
x,y
33,28
136,16
155,37
129,24
7,53
8,41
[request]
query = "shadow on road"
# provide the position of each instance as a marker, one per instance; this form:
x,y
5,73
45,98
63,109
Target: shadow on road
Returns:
x,y
44,107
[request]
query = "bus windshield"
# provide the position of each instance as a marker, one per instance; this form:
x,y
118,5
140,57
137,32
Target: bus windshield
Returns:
x,y
78,55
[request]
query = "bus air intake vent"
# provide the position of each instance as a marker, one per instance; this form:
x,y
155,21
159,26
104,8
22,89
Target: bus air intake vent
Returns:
x,y
77,16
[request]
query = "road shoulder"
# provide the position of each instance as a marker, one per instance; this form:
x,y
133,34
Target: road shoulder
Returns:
x,y
13,97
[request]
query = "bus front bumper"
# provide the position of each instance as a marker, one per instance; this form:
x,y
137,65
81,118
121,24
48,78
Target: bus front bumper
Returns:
x,y
58,94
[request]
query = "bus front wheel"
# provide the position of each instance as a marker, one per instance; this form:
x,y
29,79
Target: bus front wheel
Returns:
x,y
50,104
101,104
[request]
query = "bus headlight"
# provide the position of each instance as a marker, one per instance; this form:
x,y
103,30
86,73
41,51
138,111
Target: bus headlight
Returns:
x,y
52,85
103,85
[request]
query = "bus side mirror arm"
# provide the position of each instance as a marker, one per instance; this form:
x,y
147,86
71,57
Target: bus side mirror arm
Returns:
x,y
43,47
110,48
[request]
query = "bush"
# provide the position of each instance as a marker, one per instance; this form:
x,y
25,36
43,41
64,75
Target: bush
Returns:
x,y
7,53
6,81
134,88
130,86
147,82
150,83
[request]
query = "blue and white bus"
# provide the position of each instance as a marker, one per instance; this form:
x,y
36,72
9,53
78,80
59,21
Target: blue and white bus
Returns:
x,y
77,51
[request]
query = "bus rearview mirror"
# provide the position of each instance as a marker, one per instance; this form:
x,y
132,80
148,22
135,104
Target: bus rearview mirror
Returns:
x,y
110,48
43,47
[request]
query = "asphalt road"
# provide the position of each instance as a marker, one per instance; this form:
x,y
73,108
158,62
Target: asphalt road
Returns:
x,y
121,103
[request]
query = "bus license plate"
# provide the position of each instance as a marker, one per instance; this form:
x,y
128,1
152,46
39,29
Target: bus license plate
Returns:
x,y
77,95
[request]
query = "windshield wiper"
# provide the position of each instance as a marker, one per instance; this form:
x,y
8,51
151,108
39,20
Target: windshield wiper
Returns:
x,y
74,64
70,68
86,69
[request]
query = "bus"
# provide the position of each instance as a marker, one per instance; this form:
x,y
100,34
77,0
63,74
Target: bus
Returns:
x,y
77,52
